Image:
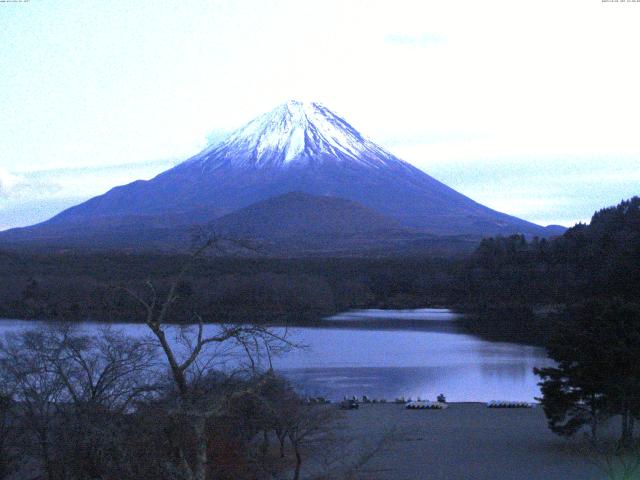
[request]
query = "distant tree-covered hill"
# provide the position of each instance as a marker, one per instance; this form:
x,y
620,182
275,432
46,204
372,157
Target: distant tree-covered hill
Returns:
x,y
508,279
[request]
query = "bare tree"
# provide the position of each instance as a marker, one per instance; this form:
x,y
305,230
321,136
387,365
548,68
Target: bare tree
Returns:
x,y
38,392
70,389
7,431
186,358
308,425
110,370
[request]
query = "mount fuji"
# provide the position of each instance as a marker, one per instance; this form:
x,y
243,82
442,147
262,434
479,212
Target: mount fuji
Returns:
x,y
297,147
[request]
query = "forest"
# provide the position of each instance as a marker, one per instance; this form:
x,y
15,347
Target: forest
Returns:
x,y
74,286
518,289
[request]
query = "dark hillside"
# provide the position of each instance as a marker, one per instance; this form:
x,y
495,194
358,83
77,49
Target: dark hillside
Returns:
x,y
76,287
512,282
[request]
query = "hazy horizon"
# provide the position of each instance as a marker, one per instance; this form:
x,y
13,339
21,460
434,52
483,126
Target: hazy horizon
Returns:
x,y
529,109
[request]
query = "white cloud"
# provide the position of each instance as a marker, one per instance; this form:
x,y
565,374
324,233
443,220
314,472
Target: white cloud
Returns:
x,y
88,182
419,40
10,184
37,196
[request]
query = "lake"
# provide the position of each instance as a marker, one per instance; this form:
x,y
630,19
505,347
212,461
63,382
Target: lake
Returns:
x,y
392,353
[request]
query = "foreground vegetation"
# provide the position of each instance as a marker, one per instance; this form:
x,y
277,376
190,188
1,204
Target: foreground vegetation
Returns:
x,y
102,407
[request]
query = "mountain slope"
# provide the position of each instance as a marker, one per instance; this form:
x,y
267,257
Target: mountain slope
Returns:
x,y
297,223
297,214
292,224
297,147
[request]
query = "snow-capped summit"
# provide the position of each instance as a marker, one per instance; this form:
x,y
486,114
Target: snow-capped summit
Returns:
x,y
294,133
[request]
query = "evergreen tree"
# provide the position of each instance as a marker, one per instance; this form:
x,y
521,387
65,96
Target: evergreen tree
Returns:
x,y
597,350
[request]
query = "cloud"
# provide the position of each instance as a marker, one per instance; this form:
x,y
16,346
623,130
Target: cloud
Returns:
x,y
419,40
10,184
217,135
543,189
29,212
27,186
34,197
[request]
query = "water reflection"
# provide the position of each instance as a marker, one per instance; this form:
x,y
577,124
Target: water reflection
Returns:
x,y
436,314
388,363
393,361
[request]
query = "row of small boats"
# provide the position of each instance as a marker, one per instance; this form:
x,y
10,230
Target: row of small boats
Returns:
x,y
426,405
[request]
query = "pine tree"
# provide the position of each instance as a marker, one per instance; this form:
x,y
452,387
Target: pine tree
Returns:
x,y
597,350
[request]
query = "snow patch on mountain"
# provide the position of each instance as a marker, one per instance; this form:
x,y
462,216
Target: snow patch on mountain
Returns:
x,y
294,132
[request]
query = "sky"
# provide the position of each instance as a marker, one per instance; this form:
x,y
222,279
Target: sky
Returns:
x,y
531,108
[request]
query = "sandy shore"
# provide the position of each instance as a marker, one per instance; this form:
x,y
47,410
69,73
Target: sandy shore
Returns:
x,y
467,441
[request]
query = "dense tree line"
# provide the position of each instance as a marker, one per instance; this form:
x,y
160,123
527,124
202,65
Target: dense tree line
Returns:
x,y
74,287
595,260
519,288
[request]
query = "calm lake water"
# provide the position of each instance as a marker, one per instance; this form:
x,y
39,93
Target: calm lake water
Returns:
x,y
392,353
